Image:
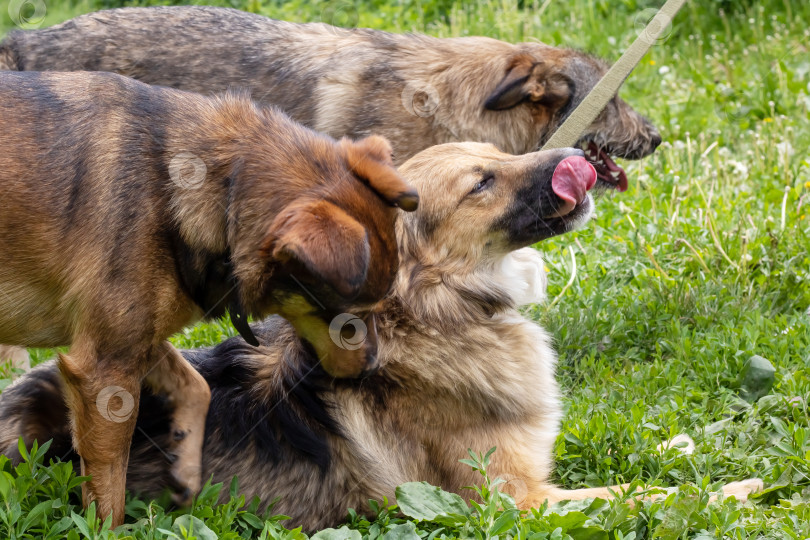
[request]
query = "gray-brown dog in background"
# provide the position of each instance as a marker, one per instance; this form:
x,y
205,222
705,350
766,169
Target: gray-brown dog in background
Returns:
x,y
131,211
415,90
461,367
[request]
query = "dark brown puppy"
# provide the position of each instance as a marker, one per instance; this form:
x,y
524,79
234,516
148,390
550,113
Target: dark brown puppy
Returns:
x,y
131,211
460,366
416,90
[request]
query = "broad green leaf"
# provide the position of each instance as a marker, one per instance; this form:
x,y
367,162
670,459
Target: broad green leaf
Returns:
x,y
504,522
344,533
595,507
36,513
59,527
81,524
588,533
22,449
6,481
252,520
405,531
568,521
78,480
756,379
193,525
420,500
233,489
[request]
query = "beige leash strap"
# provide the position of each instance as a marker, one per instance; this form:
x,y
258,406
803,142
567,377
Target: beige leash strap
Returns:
x,y
586,112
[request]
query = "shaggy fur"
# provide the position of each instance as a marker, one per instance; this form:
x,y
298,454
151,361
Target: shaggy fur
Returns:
x,y
146,209
460,367
415,90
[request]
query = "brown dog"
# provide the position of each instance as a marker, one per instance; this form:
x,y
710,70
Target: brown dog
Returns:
x,y
416,90
460,366
131,211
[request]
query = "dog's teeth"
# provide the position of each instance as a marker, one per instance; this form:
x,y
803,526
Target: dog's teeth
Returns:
x,y
615,174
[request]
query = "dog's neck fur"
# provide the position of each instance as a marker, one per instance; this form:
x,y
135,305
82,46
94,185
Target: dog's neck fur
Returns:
x,y
201,164
201,200
471,325
431,296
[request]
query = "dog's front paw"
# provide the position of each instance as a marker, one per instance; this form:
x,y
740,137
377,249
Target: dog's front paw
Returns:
x,y
184,481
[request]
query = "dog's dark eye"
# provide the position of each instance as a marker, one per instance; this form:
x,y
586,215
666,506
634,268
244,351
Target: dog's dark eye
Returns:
x,y
485,182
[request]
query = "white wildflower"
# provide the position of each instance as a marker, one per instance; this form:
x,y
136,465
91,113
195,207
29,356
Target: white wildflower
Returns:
x,y
785,149
739,169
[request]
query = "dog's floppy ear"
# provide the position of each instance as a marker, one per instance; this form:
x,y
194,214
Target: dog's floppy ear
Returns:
x,y
527,80
370,159
327,241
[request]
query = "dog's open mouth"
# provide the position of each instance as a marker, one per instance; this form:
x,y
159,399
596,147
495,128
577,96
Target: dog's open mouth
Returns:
x,y
607,172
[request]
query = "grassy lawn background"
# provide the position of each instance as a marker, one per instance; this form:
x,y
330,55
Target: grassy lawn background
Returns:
x,y
701,264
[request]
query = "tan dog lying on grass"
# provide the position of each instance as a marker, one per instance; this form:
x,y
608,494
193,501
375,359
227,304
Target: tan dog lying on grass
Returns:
x,y
460,367
131,211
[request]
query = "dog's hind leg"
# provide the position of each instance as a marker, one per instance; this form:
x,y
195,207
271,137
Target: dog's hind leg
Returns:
x,y
552,494
190,396
742,489
102,392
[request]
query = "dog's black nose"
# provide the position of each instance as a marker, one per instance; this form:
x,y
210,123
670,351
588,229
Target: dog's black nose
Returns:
x,y
656,141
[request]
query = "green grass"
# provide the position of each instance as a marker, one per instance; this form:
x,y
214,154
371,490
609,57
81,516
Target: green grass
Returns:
x,y
701,264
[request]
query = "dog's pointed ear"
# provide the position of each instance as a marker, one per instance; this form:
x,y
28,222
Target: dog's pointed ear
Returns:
x,y
371,160
328,242
528,80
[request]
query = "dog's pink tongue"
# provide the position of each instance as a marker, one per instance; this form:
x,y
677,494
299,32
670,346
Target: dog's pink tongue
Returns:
x,y
572,179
